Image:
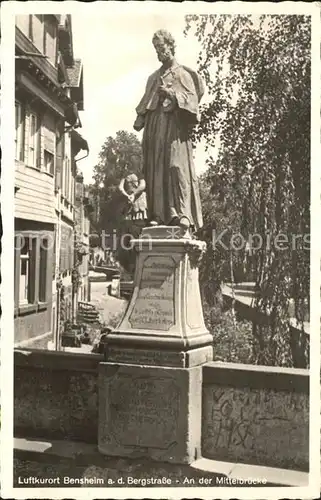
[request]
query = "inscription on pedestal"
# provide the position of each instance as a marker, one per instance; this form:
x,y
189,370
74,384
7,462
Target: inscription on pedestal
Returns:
x,y
144,412
154,307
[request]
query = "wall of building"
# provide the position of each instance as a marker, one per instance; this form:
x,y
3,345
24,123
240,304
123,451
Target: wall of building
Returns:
x,y
42,31
44,167
33,328
85,261
82,228
33,311
35,218
67,181
66,247
35,215
35,198
83,292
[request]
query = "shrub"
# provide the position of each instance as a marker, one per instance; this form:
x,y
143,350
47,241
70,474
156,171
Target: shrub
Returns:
x,y
114,319
232,340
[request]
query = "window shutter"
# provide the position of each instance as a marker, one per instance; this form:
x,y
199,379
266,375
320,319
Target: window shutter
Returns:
x,y
62,250
52,166
16,270
22,135
59,159
39,141
22,118
60,260
32,271
58,171
43,270
54,253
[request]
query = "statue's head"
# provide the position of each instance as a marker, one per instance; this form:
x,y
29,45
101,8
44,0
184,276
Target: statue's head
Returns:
x,y
132,178
164,44
131,182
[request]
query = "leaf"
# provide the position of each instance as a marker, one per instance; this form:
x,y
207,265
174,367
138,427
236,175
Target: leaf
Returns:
x,y
257,73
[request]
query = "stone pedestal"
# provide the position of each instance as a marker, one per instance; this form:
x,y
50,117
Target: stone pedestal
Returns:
x,y
150,412
163,324
151,385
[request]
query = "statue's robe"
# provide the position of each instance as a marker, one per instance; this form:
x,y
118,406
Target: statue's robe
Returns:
x,y
171,182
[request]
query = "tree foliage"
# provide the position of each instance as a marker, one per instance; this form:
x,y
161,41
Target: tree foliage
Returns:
x,y
119,156
257,72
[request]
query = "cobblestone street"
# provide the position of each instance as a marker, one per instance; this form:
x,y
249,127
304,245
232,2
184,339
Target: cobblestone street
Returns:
x,y
109,307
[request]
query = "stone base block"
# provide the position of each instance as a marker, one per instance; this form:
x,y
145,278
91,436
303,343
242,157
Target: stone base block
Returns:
x,y
150,412
180,359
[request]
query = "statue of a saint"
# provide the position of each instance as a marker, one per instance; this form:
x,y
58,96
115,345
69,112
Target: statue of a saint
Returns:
x,y
167,112
135,211
133,191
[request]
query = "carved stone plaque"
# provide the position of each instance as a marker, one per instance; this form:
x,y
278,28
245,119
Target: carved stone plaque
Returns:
x,y
144,411
150,411
154,306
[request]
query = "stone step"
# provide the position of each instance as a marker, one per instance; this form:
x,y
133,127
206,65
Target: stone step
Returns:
x,y
85,460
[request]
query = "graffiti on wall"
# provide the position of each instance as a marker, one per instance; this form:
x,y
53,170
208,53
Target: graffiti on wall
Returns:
x,y
252,422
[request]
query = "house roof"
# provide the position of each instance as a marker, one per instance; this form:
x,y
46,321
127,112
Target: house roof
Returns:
x,y
82,143
74,73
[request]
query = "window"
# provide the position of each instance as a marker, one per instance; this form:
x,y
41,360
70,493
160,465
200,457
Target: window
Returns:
x,y
38,31
71,249
60,148
23,23
24,276
17,123
72,187
27,270
64,249
34,140
49,161
66,178
15,256
19,137
43,270
53,323
54,256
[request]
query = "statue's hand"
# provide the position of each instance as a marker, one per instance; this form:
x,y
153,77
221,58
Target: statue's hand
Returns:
x,y
139,123
165,91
